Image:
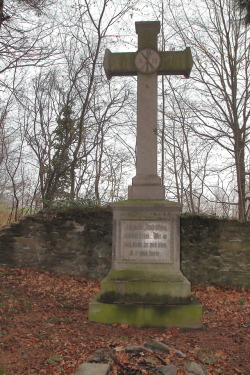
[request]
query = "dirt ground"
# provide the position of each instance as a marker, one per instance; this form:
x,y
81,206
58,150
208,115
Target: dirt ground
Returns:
x,y
44,329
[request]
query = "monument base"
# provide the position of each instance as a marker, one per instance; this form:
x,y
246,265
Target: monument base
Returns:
x,y
146,187
147,192
147,315
145,286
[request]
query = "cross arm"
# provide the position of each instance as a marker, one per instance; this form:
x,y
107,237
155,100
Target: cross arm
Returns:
x,y
176,63
172,63
119,64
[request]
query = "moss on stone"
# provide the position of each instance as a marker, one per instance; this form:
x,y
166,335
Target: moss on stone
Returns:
x,y
144,201
144,274
208,254
146,315
145,285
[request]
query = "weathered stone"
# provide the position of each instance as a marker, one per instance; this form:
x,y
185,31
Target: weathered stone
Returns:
x,y
163,286
146,64
180,354
157,346
134,349
168,370
146,258
93,369
79,252
100,355
147,315
34,242
215,239
146,288
196,369
146,240
97,358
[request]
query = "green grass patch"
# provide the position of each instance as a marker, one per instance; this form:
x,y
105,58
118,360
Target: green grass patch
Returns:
x,y
57,320
3,371
54,359
242,301
59,296
41,335
11,303
206,356
2,334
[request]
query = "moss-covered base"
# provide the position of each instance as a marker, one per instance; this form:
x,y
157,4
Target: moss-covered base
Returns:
x,y
149,286
183,316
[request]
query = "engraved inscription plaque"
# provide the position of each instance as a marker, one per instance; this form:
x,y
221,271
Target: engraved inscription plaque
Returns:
x,y
145,240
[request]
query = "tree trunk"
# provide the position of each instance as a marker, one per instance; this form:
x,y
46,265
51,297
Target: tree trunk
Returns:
x,y
241,176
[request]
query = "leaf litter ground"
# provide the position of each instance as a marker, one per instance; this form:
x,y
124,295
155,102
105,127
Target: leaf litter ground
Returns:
x,y
44,330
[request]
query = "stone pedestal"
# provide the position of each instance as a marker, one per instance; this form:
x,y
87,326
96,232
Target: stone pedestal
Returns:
x,y
145,285
146,187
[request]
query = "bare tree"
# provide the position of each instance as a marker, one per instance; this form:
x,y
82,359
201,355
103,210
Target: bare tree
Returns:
x,y
93,36
25,40
14,174
220,100
244,5
43,109
187,157
35,5
72,114
111,120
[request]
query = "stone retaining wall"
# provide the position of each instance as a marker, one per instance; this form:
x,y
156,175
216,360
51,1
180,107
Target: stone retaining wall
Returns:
x,y
78,242
215,251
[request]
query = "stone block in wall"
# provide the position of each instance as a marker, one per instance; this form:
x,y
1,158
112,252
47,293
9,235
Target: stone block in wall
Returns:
x,y
77,243
215,251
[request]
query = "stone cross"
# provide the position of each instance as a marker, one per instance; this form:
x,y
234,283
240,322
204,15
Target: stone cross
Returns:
x,y
147,63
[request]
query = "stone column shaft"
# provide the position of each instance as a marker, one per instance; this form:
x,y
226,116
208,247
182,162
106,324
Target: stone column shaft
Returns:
x,y
146,147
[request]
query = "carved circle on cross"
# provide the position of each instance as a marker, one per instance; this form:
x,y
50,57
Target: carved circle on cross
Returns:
x,y
147,61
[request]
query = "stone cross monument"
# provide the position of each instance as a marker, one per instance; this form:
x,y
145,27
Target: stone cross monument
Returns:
x,y
145,285
147,63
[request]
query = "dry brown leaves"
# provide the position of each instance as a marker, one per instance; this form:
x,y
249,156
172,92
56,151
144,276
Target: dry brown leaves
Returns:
x,y
44,330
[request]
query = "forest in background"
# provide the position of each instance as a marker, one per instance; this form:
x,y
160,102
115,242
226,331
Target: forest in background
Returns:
x,y
67,134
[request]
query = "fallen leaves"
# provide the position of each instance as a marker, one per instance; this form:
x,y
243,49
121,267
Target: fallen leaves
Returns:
x,y
44,330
